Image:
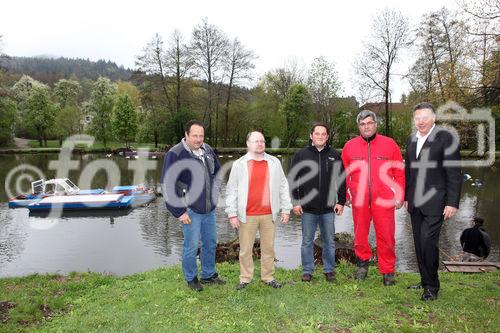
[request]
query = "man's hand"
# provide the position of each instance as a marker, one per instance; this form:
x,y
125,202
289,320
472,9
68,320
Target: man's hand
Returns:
x,y
185,219
285,218
339,209
297,210
449,212
235,223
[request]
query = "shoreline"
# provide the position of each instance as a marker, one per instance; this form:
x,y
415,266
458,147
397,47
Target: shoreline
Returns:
x,y
221,150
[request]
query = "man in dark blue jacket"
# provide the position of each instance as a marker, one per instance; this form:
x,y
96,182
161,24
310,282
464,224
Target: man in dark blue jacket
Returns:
x,y
315,183
190,187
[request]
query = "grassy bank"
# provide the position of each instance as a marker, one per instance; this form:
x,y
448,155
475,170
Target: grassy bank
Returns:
x,y
160,301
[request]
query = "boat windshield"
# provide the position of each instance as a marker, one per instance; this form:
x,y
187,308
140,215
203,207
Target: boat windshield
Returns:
x,y
72,185
37,187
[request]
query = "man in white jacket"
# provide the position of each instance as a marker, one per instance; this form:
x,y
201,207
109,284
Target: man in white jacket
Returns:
x,y
257,195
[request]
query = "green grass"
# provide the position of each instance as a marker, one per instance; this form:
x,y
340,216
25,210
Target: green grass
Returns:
x,y
159,301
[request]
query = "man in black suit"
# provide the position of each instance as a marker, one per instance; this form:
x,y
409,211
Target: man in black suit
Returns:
x,y
433,184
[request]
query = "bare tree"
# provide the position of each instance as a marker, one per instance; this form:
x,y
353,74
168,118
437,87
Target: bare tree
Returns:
x,y
209,48
238,65
375,65
482,9
153,62
484,30
443,69
178,62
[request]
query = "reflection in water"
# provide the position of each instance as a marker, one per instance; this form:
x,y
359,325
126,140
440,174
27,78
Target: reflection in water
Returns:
x,y
12,237
149,237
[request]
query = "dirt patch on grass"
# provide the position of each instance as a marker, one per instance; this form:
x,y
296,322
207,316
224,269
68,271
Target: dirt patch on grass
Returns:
x,y
5,307
13,287
60,278
403,318
334,329
46,311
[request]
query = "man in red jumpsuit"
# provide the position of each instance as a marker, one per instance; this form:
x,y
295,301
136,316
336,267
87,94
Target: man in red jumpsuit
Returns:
x,y
375,183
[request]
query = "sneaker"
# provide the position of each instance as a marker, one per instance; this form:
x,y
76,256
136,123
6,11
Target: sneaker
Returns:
x,y
330,276
306,277
273,283
195,284
214,279
241,285
362,271
389,279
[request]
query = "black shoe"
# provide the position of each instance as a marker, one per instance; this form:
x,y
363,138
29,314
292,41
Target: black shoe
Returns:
x,y
241,285
389,279
415,286
428,296
275,284
362,271
195,284
330,276
214,279
306,277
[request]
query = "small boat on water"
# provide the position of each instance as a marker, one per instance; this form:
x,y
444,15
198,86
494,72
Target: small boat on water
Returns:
x,y
63,194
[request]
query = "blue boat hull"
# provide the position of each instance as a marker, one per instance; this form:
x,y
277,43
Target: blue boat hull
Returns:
x,y
125,202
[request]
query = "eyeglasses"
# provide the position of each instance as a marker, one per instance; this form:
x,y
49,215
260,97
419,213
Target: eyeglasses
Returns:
x,y
369,123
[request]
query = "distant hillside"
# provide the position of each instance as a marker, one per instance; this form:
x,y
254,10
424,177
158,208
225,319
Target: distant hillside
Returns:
x,y
50,70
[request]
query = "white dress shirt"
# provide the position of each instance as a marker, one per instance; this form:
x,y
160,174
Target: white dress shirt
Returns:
x,y
421,139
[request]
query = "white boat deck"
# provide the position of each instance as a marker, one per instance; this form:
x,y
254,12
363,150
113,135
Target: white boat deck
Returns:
x,y
84,198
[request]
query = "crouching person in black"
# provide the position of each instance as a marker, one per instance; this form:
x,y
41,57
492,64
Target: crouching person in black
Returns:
x,y
476,243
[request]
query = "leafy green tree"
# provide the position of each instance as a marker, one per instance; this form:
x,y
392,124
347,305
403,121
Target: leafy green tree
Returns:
x,y
402,124
66,92
324,84
69,117
22,89
296,108
7,120
101,108
125,87
68,122
124,120
345,127
263,114
20,92
278,82
152,117
40,113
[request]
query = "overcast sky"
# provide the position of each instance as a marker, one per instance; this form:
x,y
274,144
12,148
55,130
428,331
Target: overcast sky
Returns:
x,y
277,31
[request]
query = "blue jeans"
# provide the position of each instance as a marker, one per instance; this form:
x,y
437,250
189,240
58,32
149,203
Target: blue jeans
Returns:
x,y
202,227
326,224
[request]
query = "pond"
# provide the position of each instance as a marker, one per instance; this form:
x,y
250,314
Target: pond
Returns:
x,y
149,237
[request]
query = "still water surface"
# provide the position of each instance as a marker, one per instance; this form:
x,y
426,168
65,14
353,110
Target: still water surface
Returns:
x,y
149,237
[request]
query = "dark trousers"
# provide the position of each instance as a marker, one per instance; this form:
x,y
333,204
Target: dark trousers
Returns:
x,y
426,230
